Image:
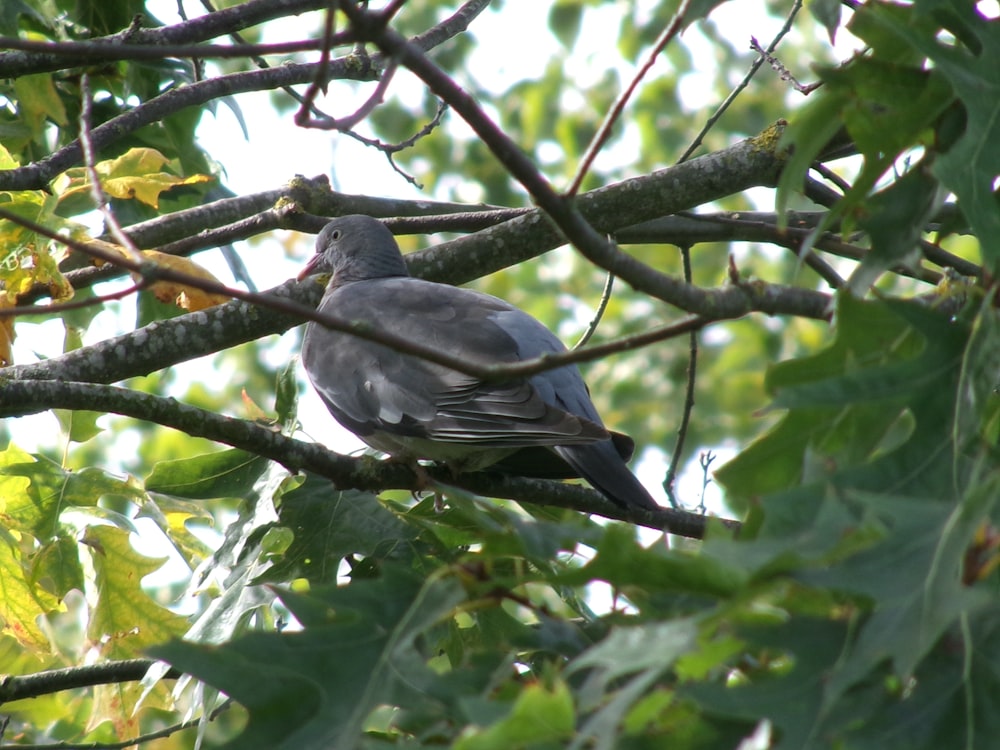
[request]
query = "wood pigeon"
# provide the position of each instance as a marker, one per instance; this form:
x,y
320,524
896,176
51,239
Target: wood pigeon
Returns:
x,y
413,409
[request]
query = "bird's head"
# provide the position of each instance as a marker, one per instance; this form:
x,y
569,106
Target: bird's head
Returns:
x,y
355,248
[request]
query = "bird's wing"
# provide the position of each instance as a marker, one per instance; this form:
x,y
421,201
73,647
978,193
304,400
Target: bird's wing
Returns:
x,y
370,387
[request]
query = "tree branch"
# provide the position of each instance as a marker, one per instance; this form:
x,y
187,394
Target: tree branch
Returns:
x,y
21,397
209,26
21,687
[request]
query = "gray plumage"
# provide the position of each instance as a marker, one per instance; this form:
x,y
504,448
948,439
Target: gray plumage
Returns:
x,y
414,409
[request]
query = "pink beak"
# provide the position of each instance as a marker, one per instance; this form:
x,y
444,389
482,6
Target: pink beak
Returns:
x,y
310,267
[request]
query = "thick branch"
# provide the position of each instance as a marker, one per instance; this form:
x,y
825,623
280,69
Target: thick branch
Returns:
x,y
18,398
164,343
209,26
21,687
747,164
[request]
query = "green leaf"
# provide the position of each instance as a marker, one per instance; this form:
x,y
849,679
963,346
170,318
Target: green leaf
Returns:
x,y
791,697
806,135
149,309
889,526
621,670
950,702
37,490
539,714
914,578
56,567
887,108
969,168
565,18
226,473
978,399
38,101
827,12
360,648
171,515
621,560
329,524
286,398
846,401
894,219
10,15
78,425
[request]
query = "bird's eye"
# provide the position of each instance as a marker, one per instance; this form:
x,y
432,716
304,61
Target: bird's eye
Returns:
x,y
335,234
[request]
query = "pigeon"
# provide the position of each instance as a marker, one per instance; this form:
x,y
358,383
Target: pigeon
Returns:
x,y
413,409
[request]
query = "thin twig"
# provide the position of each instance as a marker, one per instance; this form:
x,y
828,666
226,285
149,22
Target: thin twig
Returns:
x,y
609,285
304,120
390,149
828,174
754,67
96,189
309,116
705,461
79,304
319,82
604,131
688,408
783,72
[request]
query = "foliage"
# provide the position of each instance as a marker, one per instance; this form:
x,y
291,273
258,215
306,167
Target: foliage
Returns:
x,y
311,601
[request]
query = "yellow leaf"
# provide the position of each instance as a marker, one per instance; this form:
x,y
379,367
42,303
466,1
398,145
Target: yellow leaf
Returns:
x,y
6,160
138,174
105,247
135,161
21,603
184,296
147,188
125,620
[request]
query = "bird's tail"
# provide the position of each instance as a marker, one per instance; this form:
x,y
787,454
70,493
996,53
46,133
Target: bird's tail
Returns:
x,y
601,465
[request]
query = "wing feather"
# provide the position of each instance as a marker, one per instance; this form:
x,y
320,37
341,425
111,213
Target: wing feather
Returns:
x,y
372,388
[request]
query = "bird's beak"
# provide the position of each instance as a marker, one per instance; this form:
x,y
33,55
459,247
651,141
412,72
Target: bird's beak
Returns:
x,y
310,267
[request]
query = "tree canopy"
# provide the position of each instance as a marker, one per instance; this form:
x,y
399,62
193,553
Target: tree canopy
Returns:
x,y
804,277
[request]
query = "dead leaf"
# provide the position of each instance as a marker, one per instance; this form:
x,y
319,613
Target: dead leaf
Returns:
x,y
253,411
184,296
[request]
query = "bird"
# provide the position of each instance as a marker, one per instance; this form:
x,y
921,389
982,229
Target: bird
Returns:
x,y
413,409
